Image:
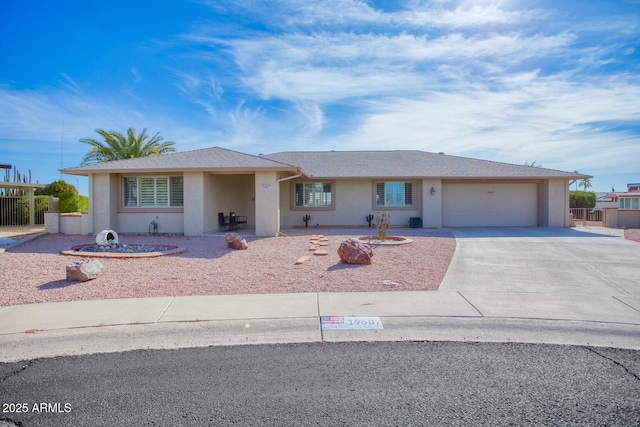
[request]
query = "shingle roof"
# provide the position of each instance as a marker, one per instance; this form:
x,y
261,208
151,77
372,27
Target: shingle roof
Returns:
x,y
408,164
214,158
329,164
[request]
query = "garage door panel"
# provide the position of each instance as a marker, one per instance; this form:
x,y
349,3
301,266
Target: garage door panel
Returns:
x,y
483,205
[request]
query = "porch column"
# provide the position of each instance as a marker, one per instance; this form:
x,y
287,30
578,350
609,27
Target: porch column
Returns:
x,y
267,204
555,203
193,215
103,201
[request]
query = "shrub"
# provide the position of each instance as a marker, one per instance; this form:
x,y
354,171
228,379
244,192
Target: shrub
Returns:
x,y
582,199
56,188
70,202
83,204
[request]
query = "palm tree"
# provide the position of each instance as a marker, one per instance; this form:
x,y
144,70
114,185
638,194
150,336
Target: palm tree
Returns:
x,y
117,146
574,180
585,183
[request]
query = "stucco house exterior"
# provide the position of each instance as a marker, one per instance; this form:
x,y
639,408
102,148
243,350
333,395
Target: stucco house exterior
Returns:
x,y
184,192
627,214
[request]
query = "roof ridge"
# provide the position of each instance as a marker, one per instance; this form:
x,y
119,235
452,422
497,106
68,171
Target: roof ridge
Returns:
x,y
257,157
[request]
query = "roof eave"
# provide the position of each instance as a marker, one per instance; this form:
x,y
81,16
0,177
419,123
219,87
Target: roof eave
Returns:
x,y
247,169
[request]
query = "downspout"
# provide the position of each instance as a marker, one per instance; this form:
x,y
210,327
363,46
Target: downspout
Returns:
x,y
287,178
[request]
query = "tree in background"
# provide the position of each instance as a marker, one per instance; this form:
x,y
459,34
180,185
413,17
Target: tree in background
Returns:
x,y
574,181
585,183
582,199
117,146
55,188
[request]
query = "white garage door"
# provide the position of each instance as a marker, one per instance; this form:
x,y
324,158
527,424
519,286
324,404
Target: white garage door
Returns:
x,y
489,205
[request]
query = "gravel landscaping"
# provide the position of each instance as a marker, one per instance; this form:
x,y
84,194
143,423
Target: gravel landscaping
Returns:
x,y
632,234
34,271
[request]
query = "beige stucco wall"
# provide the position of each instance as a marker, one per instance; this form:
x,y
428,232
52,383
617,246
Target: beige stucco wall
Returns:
x,y
194,206
554,195
139,222
353,202
622,218
104,215
52,222
267,211
103,198
75,223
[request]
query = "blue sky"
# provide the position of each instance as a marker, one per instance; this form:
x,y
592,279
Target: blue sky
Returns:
x,y
555,82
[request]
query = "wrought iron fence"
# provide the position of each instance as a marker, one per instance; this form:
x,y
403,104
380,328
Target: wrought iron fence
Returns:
x,y
14,210
585,217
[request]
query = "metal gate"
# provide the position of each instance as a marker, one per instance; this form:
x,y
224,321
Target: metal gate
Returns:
x,y
585,217
14,210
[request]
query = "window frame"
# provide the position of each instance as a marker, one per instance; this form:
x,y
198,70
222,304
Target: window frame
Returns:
x,y
330,207
171,193
414,193
632,202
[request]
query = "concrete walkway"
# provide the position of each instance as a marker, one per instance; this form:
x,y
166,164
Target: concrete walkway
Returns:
x,y
562,286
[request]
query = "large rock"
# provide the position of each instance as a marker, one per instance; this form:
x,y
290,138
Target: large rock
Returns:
x,y
354,252
84,270
235,241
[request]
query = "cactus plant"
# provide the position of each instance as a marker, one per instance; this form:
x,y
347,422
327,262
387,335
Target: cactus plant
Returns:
x,y
383,222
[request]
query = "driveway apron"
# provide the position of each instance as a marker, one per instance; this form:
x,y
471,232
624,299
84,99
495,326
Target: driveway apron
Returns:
x,y
566,261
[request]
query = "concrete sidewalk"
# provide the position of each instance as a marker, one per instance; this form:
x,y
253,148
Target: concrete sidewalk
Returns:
x,y
51,329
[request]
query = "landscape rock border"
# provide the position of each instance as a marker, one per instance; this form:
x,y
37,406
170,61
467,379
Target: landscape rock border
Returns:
x,y
389,240
171,250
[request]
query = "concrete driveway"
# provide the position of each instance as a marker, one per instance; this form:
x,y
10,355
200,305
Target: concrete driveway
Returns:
x,y
593,261
588,274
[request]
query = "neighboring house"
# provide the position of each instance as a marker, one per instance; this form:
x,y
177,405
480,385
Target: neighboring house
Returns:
x,y
627,214
184,192
630,199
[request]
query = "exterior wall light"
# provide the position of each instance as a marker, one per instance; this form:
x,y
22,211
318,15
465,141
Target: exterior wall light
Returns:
x,y
433,191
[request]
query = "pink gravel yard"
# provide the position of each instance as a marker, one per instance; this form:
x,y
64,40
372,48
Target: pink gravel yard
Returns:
x,y
632,234
34,271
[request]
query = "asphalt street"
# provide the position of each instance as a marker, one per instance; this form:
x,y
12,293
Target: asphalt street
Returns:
x,y
328,384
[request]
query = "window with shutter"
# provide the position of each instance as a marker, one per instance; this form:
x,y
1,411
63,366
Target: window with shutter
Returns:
x,y
177,191
394,193
312,194
153,191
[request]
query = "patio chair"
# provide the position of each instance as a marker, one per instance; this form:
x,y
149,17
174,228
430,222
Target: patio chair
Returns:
x,y
222,222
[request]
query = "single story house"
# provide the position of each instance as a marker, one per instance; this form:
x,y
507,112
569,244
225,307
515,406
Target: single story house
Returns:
x,y
185,192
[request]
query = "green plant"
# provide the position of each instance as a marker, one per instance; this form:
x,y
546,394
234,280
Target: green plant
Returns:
x,y
582,199
70,202
55,188
83,204
383,222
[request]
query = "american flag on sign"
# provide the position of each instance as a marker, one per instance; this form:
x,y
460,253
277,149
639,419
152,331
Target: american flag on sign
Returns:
x,y
331,320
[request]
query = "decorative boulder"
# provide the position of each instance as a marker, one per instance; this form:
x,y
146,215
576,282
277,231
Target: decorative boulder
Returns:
x,y
235,241
84,270
354,252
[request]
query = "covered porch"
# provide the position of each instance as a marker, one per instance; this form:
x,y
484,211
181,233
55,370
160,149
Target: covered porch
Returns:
x,y
213,199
